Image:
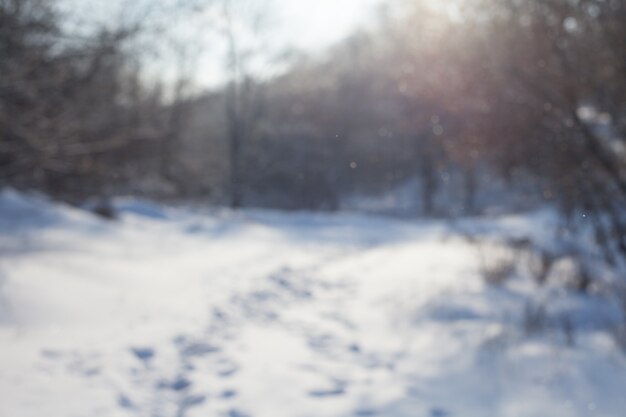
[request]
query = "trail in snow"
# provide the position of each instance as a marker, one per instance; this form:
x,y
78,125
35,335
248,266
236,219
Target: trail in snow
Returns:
x,y
180,313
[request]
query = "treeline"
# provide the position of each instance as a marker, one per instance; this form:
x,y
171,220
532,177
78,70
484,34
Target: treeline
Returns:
x,y
458,98
77,118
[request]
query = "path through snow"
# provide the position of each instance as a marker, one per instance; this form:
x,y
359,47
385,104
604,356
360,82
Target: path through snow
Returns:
x,y
261,314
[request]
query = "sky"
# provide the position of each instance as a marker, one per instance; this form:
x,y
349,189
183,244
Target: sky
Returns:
x,y
315,24
305,25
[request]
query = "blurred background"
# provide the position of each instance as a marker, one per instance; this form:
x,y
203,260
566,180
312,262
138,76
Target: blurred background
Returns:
x,y
421,107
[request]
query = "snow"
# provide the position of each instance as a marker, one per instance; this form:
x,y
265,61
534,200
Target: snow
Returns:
x,y
190,312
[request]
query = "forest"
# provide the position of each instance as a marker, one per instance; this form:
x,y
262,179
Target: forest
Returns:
x,y
455,97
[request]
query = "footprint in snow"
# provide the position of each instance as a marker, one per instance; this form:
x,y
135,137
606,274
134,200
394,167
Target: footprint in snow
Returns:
x,y
288,286
124,402
338,389
192,401
228,393
178,384
439,412
365,412
354,348
199,349
143,353
226,368
321,342
236,413
333,392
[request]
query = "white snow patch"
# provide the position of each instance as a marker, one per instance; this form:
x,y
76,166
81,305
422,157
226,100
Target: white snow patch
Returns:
x,y
175,312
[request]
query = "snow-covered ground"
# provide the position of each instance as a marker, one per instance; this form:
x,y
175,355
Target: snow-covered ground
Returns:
x,y
175,312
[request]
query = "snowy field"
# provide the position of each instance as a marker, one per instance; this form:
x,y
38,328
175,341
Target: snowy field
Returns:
x,y
178,312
